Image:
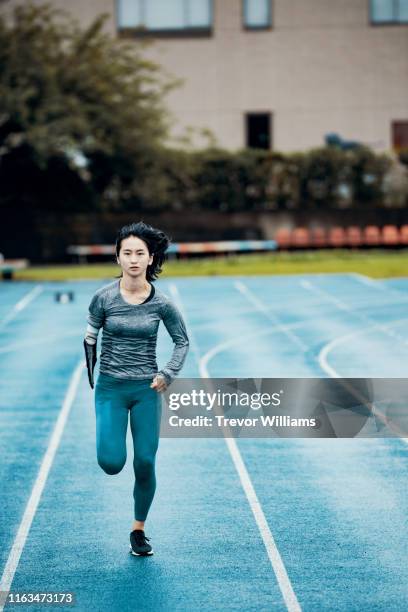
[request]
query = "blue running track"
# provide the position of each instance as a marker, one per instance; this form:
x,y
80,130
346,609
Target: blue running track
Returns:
x,y
246,524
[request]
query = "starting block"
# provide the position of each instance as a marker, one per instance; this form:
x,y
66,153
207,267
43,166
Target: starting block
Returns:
x,y
63,297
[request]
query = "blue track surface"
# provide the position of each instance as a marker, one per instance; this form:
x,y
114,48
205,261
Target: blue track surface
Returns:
x,y
337,509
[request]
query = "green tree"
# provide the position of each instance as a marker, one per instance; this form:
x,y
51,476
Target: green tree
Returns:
x,y
81,113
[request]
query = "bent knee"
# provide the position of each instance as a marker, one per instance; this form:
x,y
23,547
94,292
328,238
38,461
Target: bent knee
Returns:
x,y
111,467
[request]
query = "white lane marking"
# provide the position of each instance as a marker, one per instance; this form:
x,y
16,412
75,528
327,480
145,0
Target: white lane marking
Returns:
x,y
278,566
323,354
402,298
32,504
22,304
367,280
275,558
222,346
259,305
324,364
322,357
343,306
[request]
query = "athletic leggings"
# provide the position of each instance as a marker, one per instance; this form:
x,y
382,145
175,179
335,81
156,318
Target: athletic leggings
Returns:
x,y
115,400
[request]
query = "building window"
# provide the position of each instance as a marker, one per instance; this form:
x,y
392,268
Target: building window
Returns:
x,y
258,130
257,14
389,11
399,135
164,15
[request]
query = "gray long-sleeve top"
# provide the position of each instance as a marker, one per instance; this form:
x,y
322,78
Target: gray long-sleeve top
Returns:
x,y
130,333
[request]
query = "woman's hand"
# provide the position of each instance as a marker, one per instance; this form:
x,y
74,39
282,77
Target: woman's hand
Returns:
x,y
159,384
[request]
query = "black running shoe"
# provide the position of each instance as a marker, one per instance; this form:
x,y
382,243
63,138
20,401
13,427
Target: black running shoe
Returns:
x,y
138,545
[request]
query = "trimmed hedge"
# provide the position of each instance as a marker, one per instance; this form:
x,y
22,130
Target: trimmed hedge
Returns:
x,y
255,180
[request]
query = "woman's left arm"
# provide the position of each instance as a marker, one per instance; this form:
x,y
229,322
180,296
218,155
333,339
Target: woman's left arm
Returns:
x,y
175,325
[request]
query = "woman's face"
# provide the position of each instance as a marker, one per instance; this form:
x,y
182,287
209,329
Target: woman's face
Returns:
x,y
134,257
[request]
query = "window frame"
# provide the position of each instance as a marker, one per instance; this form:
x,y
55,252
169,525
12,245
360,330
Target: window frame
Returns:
x,y
143,32
256,28
393,22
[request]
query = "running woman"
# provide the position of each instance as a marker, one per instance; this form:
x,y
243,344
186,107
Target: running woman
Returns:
x,y
129,384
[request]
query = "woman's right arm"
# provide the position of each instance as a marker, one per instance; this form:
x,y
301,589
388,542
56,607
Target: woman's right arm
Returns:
x,y
91,334
96,314
96,317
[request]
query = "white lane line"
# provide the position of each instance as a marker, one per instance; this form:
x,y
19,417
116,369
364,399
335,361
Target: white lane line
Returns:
x,y
278,566
32,504
22,304
324,364
343,306
366,280
322,357
381,283
275,558
222,346
259,305
323,354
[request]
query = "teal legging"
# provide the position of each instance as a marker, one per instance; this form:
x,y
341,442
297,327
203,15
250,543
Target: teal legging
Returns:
x,y
115,399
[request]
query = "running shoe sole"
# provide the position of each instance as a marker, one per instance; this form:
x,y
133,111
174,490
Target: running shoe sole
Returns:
x,y
139,554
